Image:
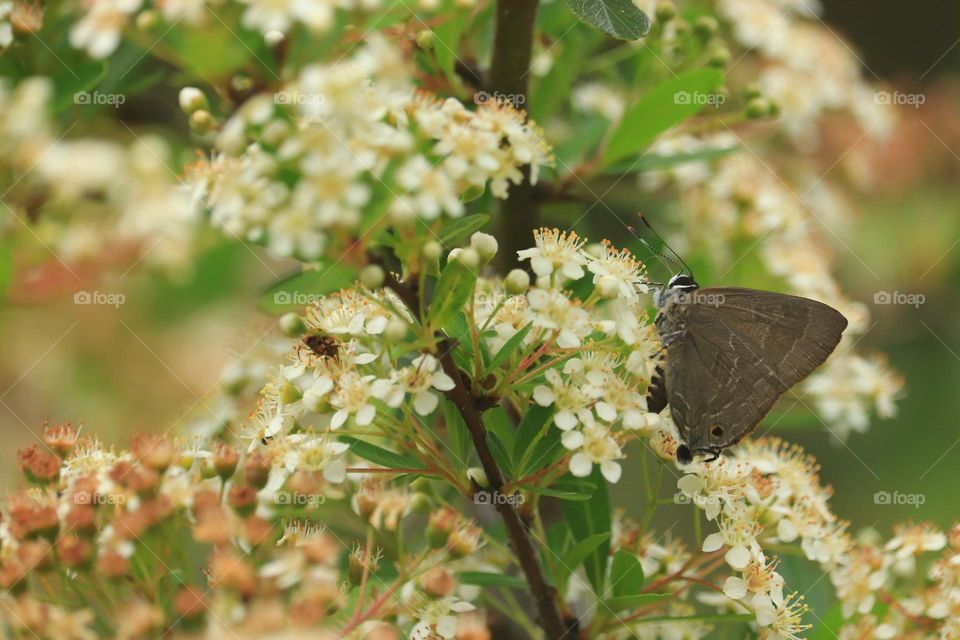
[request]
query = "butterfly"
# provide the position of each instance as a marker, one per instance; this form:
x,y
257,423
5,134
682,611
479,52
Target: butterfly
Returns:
x,y
729,354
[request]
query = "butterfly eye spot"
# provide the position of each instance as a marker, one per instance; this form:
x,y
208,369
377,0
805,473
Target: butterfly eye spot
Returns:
x,y
717,431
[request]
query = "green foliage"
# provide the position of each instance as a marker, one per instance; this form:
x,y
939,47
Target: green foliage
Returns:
x,y
660,109
617,18
590,524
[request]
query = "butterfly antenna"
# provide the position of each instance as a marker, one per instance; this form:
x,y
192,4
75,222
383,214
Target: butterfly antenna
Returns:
x,y
656,235
665,260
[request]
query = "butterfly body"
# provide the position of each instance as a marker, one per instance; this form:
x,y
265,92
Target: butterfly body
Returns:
x,y
731,353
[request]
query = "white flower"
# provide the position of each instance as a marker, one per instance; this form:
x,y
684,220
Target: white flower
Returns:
x,y
569,398
352,396
551,309
279,15
558,252
419,379
619,268
438,619
738,531
594,445
99,30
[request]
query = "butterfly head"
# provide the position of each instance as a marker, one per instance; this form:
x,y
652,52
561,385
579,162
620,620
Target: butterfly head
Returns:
x,y
682,282
678,285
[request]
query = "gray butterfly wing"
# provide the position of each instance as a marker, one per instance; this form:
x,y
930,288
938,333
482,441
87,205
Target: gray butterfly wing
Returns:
x,y
734,359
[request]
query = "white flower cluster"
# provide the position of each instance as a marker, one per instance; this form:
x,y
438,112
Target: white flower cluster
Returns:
x,y
95,193
768,494
349,142
808,69
101,24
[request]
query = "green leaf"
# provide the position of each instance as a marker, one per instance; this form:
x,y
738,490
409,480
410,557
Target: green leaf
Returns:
x,y
447,36
665,106
556,493
654,162
626,574
828,626
451,294
548,448
381,456
581,553
458,229
81,78
508,348
619,603
618,18
484,579
457,433
498,421
499,451
458,329
305,287
534,424
589,519
214,50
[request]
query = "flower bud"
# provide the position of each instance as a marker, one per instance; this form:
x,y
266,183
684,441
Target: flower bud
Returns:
x,y
421,503
752,90
608,287
201,121
225,461
396,330
485,245
243,500
438,582
439,526
190,606
402,213
147,20
426,39
292,324
468,257
719,57
758,108
665,11
706,27
256,470
192,99
273,37
479,476
372,276
517,282
431,251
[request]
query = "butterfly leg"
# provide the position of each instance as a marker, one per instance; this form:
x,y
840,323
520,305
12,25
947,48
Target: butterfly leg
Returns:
x,y
716,454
